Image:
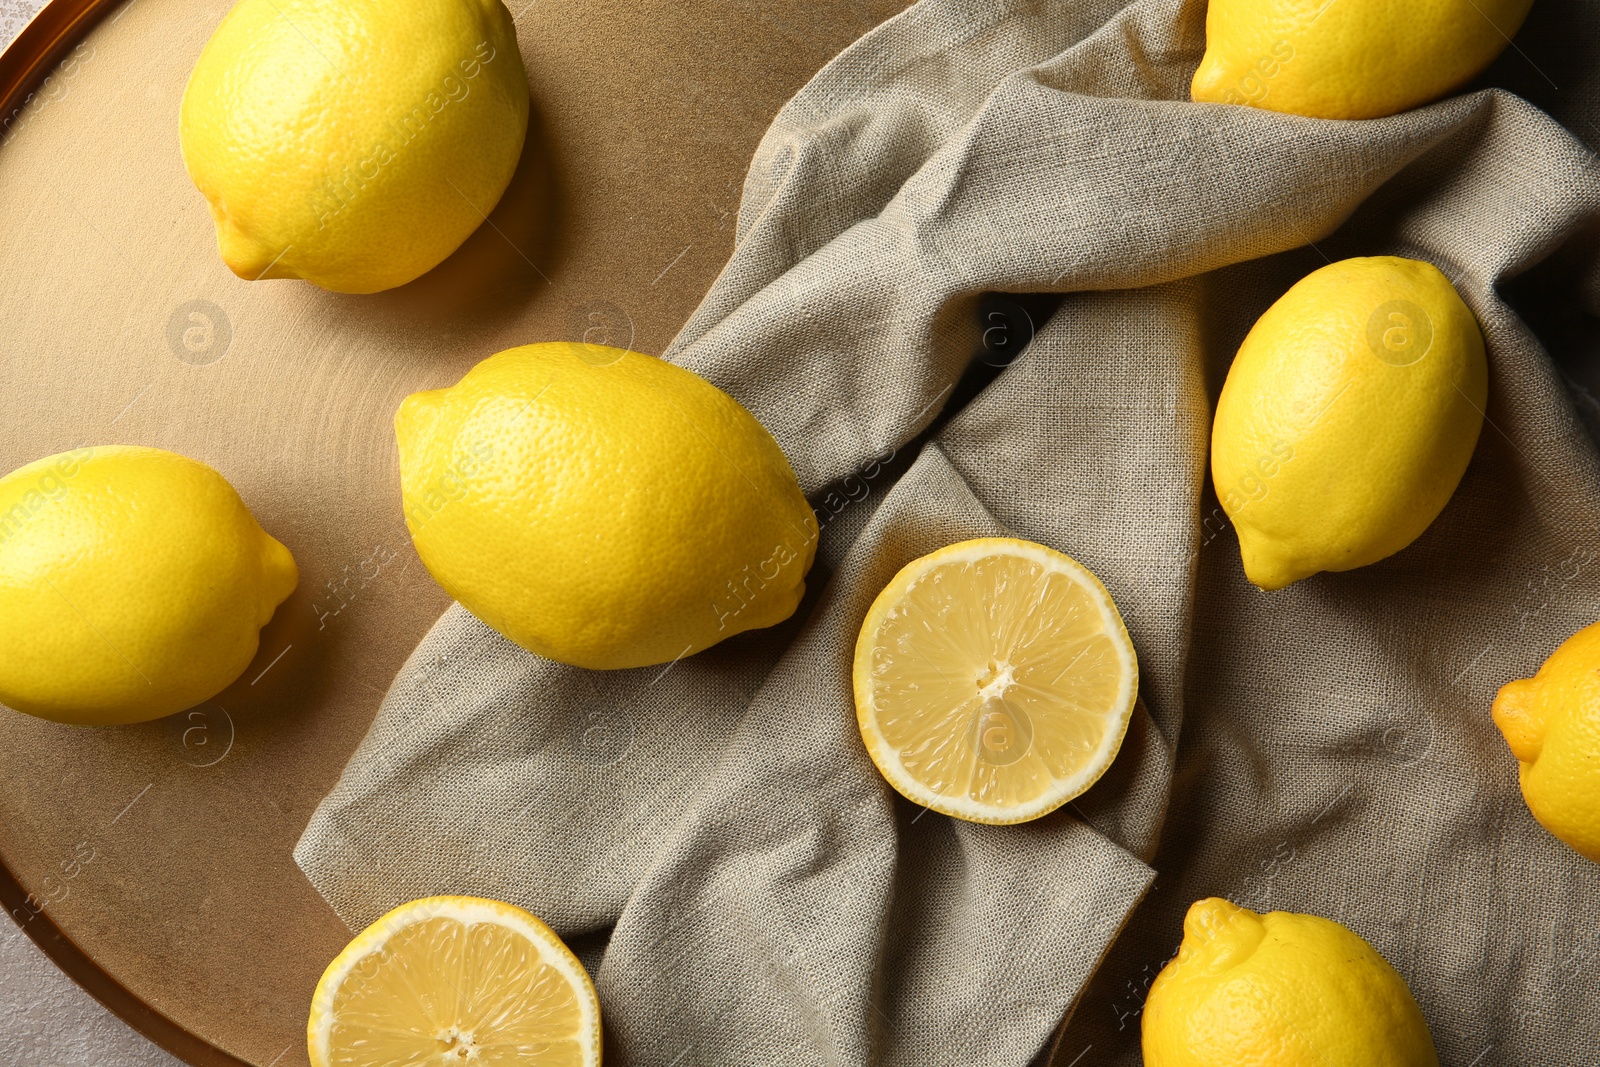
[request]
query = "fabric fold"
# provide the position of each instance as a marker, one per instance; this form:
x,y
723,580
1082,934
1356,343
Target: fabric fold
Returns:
x,y
712,834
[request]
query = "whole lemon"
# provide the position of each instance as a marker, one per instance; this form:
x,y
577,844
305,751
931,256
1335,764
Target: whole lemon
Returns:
x,y
600,507
1552,723
1348,418
353,143
1282,989
1348,59
133,584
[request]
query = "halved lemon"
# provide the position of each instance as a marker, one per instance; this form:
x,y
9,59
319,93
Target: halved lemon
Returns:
x,y
455,982
994,680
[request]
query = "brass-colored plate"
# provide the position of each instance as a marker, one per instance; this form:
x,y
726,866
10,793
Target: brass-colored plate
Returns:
x,y
153,862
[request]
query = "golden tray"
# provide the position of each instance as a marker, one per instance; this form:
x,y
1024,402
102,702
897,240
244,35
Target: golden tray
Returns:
x,y
153,862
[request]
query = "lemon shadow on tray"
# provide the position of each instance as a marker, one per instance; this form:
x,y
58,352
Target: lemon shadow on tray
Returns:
x,y
210,733
278,683
503,265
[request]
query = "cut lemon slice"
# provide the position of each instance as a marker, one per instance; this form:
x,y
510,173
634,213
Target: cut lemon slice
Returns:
x,y
455,982
994,680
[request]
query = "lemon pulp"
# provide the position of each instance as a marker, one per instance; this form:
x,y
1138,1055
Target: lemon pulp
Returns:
x,y
452,982
994,680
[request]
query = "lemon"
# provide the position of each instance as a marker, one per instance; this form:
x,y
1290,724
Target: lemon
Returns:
x,y
1282,989
602,508
994,680
353,143
1348,418
1552,723
453,981
133,584
1348,59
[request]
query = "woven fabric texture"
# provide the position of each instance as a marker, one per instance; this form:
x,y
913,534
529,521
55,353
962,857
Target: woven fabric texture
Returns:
x,y
712,836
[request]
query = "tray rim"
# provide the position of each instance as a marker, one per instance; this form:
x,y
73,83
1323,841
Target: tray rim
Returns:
x,y
55,29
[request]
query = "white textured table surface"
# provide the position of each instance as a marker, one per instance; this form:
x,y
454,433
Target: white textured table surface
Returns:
x,y
45,1019
13,15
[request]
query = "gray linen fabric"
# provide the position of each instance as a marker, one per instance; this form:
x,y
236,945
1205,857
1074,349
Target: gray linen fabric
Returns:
x,y
712,836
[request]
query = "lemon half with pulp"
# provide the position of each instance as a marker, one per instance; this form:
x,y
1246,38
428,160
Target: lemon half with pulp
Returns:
x,y
994,680
446,981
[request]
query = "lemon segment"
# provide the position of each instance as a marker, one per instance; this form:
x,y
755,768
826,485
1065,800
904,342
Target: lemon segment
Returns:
x,y
994,680
455,982
1283,989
